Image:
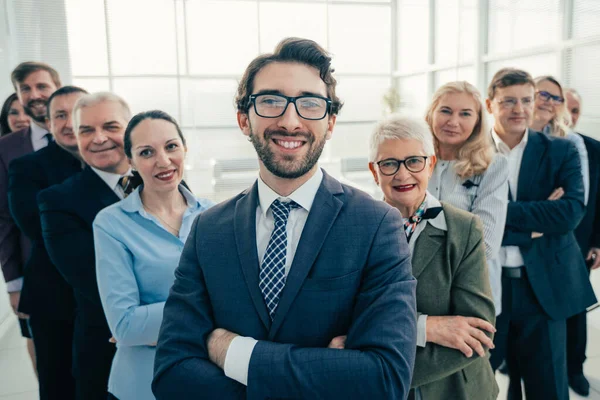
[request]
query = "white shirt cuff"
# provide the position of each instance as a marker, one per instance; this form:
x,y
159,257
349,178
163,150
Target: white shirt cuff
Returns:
x,y
422,330
15,285
237,360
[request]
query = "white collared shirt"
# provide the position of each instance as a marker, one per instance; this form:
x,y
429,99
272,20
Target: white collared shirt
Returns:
x,y
112,180
510,256
237,360
38,136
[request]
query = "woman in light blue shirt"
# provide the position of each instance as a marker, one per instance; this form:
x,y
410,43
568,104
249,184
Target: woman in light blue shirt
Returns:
x,y
469,173
138,244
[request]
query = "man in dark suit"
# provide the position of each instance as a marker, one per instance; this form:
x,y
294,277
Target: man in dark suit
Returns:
x,y
588,238
544,280
46,295
270,277
67,212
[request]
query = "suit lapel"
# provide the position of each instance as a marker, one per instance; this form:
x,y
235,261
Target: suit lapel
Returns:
x,y
532,157
99,194
428,243
324,211
244,222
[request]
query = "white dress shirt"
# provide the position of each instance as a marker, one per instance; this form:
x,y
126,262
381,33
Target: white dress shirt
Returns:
x,y
112,180
237,360
510,256
38,136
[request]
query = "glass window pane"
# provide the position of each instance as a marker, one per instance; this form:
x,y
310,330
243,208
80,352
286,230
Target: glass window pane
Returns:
x,y
360,38
544,64
351,140
144,45
87,37
413,34
586,14
218,44
583,77
208,102
455,74
92,85
144,94
413,95
447,22
310,22
523,24
468,39
362,97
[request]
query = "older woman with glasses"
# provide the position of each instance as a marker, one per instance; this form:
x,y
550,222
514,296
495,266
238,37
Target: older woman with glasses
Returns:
x,y
550,115
469,173
454,299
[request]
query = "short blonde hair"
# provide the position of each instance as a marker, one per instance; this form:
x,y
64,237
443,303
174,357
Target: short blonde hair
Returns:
x,y
559,125
89,100
476,154
400,127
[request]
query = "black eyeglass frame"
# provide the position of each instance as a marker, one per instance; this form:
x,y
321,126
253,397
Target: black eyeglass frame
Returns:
x,y
400,162
547,96
252,99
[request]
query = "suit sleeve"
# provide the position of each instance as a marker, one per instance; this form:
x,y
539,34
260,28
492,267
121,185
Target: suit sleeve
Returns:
x,y
182,368
25,181
553,216
378,358
595,237
471,296
131,323
10,246
70,244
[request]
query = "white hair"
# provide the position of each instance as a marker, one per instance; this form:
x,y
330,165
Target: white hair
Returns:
x,y
401,127
92,99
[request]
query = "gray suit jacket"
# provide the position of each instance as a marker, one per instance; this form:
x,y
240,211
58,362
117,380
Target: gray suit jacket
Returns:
x,y
14,246
452,278
351,275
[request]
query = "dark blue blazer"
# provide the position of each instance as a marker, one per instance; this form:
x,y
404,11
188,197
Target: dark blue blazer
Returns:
x,y
351,275
588,231
553,262
45,292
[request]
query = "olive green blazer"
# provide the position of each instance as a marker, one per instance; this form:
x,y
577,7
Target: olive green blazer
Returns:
x,y
452,279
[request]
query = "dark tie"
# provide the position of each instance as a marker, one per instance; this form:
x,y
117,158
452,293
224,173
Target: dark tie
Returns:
x,y
272,271
49,137
126,184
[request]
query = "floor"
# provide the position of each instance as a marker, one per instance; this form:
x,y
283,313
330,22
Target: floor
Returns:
x,y
18,382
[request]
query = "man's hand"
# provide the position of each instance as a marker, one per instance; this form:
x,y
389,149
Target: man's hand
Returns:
x,y
15,297
218,343
557,194
594,256
460,333
338,342
535,235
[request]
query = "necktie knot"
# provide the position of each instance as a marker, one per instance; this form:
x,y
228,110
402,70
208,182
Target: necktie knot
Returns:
x,y
281,210
126,184
49,137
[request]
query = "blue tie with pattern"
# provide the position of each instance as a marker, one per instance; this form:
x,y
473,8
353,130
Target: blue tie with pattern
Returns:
x,y
272,271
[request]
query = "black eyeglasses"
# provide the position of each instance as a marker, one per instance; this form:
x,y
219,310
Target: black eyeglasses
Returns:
x,y
546,96
274,105
390,166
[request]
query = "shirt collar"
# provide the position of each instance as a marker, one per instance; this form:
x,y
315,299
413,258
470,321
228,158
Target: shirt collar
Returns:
x,y
503,147
304,195
440,220
37,132
133,202
112,180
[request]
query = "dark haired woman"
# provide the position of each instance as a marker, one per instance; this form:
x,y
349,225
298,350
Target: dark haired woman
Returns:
x,y
138,243
12,116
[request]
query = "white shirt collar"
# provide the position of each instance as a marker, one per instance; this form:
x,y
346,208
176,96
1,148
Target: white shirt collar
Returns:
x,y
503,147
112,180
37,132
304,195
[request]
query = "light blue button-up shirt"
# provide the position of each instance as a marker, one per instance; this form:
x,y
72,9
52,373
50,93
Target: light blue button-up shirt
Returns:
x,y
135,262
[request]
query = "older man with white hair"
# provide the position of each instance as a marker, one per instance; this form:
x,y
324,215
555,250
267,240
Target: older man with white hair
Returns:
x,y
67,212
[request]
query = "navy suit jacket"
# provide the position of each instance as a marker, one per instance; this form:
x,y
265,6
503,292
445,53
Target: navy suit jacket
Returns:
x,y
588,231
14,245
351,275
554,265
45,292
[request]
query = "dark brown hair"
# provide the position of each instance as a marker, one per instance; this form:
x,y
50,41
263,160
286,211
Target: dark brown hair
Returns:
x,y
63,91
4,128
153,114
292,50
509,77
23,70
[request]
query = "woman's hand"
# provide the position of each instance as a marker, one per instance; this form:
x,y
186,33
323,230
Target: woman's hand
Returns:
x,y
461,333
338,342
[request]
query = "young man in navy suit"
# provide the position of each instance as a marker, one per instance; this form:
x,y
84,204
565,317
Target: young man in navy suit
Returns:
x,y
544,280
268,278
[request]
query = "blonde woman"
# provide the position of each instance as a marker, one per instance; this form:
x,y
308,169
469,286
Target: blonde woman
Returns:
x,y
550,115
469,174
